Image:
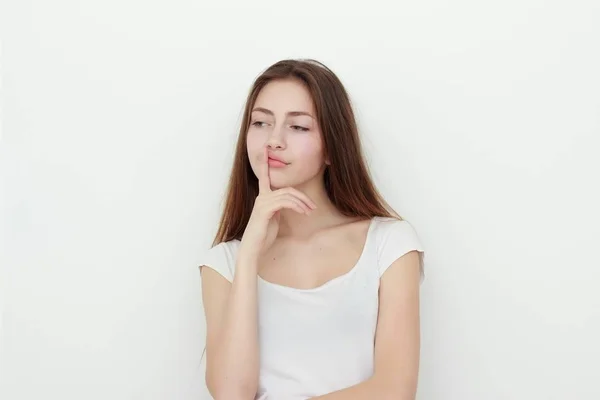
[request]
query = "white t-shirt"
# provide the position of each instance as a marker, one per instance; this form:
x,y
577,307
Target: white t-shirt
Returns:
x,y
316,341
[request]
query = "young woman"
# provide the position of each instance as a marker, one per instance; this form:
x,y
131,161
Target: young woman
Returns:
x,y
312,285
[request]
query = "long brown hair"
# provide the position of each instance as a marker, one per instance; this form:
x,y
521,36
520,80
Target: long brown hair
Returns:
x,y
347,179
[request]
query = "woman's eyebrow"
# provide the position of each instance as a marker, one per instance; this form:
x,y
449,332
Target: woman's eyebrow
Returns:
x,y
290,113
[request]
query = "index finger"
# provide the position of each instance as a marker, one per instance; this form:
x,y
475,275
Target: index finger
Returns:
x,y
264,182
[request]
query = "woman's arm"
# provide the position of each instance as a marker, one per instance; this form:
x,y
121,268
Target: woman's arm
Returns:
x,y
231,332
231,309
397,341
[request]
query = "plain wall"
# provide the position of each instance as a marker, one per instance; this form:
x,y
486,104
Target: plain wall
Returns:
x,y
480,121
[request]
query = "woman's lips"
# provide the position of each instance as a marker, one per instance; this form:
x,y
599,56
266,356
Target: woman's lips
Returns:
x,y
275,163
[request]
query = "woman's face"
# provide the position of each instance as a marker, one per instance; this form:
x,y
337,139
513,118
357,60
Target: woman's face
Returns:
x,y
283,119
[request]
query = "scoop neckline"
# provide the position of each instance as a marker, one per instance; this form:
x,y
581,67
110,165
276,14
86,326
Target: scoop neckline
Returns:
x,y
332,281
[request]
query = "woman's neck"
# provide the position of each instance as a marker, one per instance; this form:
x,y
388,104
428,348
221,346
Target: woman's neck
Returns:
x,y
294,224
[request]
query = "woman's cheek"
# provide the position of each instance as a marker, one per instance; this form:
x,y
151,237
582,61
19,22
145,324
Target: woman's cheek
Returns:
x,y
311,154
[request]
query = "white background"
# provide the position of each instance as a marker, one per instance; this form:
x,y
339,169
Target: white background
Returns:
x,y
481,123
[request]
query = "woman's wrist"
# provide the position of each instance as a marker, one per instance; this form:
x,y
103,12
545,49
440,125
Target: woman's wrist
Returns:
x,y
246,262
247,255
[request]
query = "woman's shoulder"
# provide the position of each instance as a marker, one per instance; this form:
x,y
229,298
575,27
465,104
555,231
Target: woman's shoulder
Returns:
x,y
385,226
221,258
230,245
395,237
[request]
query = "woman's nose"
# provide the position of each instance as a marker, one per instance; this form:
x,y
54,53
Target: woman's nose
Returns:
x,y
275,139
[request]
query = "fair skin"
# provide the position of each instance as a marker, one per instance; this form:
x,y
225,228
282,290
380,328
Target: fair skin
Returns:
x,y
291,216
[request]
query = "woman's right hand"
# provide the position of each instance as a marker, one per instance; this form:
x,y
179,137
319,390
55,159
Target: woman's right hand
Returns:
x,y
263,225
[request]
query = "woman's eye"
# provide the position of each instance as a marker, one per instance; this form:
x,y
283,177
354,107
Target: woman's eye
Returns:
x,y
258,124
299,128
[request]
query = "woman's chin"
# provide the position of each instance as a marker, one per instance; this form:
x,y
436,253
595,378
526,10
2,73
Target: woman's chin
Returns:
x,y
280,180
279,183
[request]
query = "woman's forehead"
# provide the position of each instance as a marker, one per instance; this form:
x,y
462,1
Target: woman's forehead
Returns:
x,y
283,96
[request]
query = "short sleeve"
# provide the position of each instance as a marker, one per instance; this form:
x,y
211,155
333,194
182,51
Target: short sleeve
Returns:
x,y
220,258
396,238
